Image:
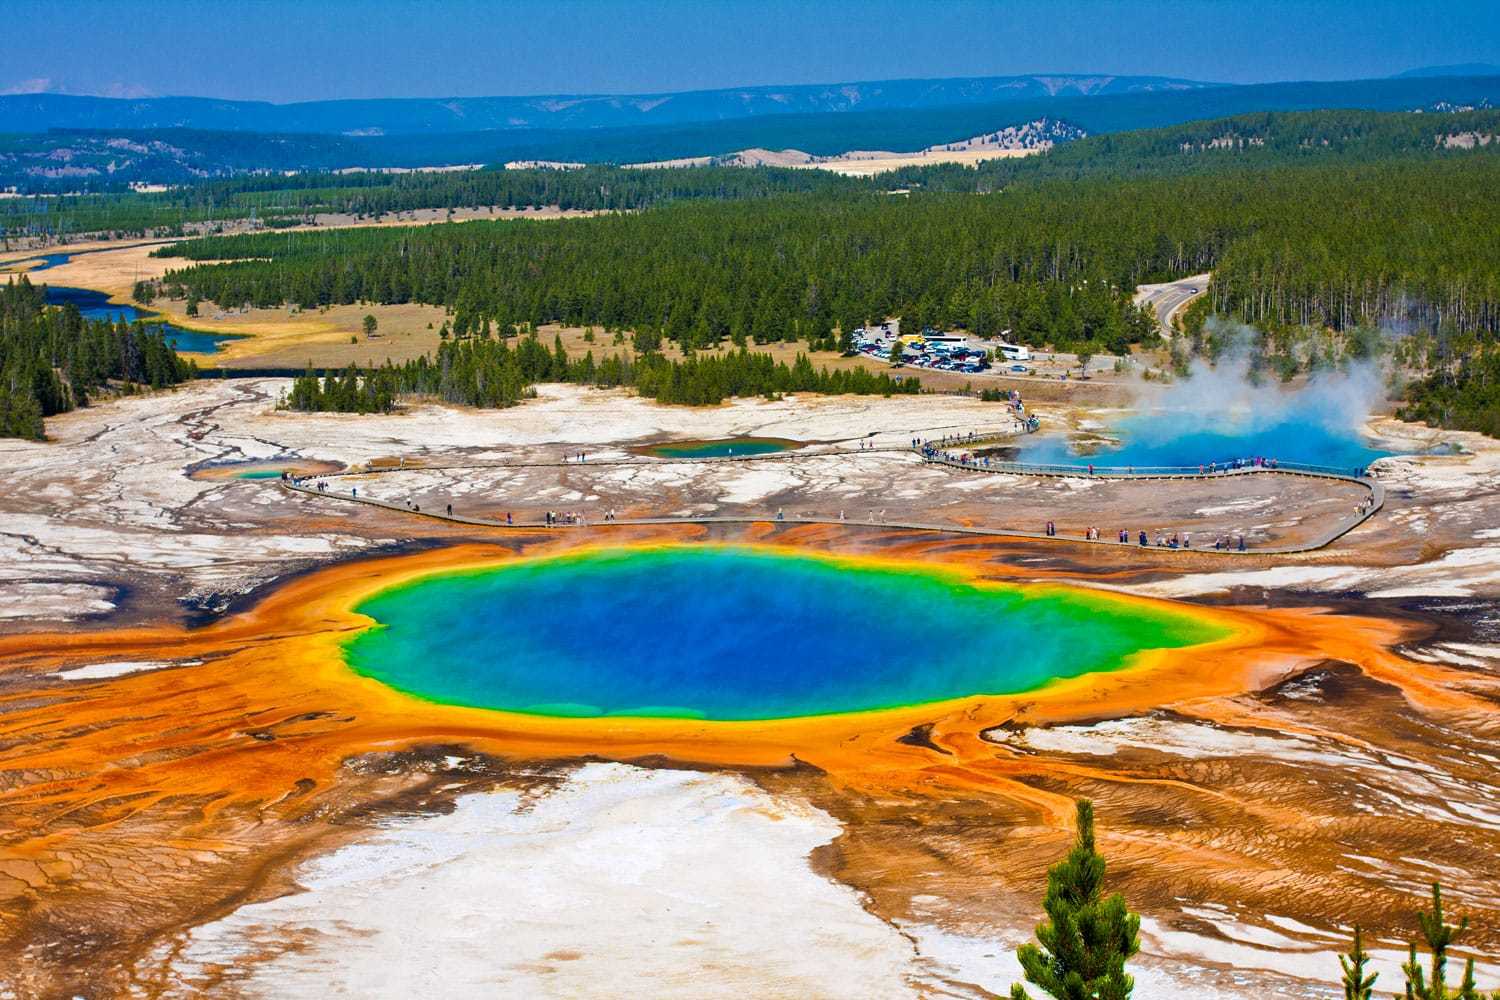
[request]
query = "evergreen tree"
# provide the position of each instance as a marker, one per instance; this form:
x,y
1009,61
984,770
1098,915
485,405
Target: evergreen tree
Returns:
x,y
1087,937
1357,985
1438,936
52,360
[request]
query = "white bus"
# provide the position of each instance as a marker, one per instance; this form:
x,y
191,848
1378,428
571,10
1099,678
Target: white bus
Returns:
x,y
1013,352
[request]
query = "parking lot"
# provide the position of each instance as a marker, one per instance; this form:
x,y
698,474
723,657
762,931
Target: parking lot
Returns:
x,y
940,352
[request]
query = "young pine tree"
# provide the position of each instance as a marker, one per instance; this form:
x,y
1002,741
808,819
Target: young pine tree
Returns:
x,y
1357,985
1438,935
1087,937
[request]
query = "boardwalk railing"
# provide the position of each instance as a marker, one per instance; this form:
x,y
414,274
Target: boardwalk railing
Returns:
x,y
1335,531
1085,470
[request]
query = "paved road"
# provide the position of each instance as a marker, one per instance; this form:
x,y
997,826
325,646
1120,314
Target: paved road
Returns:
x,y
1167,298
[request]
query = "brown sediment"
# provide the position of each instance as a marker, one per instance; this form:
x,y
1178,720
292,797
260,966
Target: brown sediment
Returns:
x,y
137,805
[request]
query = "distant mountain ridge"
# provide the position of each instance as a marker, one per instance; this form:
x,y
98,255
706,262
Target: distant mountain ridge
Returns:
x,y
73,160
1457,69
30,113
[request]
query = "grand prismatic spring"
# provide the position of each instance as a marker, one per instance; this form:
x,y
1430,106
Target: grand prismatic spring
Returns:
x,y
738,633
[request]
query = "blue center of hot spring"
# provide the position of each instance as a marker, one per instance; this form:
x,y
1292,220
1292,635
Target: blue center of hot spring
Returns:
x,y
731,633
1176,439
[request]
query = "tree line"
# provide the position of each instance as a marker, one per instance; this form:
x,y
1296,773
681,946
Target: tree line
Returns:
x,y
794,268
1461,389
53,360
493,374
1387,243
278,200
1087,938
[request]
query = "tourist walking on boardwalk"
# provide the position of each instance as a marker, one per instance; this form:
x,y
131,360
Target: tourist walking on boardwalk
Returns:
x,y
450,510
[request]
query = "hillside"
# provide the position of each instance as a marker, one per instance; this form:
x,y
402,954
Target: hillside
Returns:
x,y
1243,142
40,112
1458,69
1260,140
69,160
106,159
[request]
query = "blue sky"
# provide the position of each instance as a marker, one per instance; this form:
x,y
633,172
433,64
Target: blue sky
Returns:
x,y
288,50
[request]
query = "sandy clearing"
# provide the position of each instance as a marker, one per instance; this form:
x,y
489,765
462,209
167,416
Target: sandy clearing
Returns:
x,y
858,163
1017,140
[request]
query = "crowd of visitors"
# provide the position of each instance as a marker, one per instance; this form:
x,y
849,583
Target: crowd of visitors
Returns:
x,y
1176,540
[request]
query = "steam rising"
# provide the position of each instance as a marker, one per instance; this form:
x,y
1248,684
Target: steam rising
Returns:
x,y
1225,413
1230,399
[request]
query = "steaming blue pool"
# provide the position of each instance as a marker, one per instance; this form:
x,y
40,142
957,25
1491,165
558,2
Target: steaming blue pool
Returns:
x,y
1319,425
1166,440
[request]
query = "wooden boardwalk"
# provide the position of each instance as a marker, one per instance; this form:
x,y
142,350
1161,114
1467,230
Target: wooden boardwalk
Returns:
x,y
1323,540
